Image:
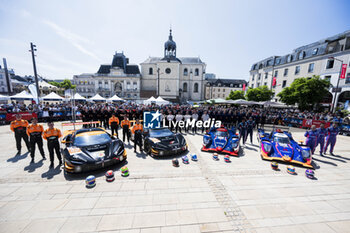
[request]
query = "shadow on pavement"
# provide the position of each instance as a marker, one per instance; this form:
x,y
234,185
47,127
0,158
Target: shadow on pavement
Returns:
x,y
33,166
142,155
52,172
340,157
97,173
250,148
332,157
171,157
16,158
325,162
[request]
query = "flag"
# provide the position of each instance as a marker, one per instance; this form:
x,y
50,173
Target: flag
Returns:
x,y
274,82
243,86
33,91
343,71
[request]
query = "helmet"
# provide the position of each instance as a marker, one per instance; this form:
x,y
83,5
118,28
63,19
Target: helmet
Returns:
x,y
291,169
109,176
194,157
175,162
90,181
215,156
125,171
185,159
227,158
274,165
310,174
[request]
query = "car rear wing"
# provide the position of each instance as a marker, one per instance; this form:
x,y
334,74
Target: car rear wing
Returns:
x,y
274,128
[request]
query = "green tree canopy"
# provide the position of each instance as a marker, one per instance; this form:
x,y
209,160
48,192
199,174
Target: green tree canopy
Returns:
x,y
259,94
235,95
306,92
66,84
54,83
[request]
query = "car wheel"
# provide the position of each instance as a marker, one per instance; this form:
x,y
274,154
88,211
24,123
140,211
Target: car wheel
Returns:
x,y
147,149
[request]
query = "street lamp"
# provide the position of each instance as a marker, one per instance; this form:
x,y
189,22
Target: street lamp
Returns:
x,y
336,89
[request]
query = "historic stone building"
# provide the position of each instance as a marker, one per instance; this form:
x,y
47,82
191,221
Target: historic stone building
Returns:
x,y
178,79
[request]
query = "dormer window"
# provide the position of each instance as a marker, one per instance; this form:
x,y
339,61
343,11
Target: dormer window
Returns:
x,y
314,52
185,72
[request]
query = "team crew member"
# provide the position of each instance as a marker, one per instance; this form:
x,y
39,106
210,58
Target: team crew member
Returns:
x,y
331,138
311,138
205,117
321,135
195,119
35,132
243,130
187,119
250,127
125,124
19,127
52,135
170,118
137,130
114,123
179,117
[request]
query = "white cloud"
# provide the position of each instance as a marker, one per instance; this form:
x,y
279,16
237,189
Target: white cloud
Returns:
x,y
24,13
72,38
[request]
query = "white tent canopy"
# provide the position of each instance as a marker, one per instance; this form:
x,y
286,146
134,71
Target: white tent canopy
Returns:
x,y
77,96
52,96
4,97
115,98
22,95
272,104
150,100
161,101
97,97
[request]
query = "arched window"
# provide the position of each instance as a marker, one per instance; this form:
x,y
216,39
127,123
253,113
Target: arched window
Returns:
x,y
185,87
185,72
150,71
135,85
195,88
196,72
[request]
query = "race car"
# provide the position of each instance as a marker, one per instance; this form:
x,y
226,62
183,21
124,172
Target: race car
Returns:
x,y
222,140
90,149
279,145
163,142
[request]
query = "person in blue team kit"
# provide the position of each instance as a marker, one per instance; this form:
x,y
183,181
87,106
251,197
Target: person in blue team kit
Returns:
x,y
242,127
321,135
311,138
331,137
250,127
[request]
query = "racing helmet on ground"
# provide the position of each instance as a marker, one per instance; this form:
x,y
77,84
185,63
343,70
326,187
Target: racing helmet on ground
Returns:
x,y
109,176
274,165
215,156
185,159
227,159
175,162
90,181
194,157
125,171
310,174
291,169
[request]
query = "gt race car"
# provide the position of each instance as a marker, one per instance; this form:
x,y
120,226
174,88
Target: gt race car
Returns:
x,y
163,142
279,145
222,140
90,149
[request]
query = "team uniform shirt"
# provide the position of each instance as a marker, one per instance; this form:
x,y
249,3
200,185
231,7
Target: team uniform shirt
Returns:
x,y
170,117
113,121
205,117
17,126
311,139
52,134
179,117
321,134
187,117
35,130
125,124
195,116
138,128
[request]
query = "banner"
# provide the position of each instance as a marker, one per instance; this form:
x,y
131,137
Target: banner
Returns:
x,y
343,71
33,91
274,82
25,116
243,86
309,122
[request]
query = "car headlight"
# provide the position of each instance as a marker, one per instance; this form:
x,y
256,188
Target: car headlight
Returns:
x,y
234,144
77,158
306,154
206,140
267,147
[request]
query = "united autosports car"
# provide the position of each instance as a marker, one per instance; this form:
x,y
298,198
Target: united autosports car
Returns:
x,y
279,145
90,149
163,142
221,140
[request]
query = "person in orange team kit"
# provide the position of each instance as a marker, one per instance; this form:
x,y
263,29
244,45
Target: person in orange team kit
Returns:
x,y
114,123
19,127
52,135
125,124
35,132
137,130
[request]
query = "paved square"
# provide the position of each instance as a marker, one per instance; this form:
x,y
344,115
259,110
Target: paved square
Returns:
x,y
245,195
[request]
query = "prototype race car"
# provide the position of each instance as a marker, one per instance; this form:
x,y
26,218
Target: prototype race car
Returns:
x,y
163,142
90,149
222,140
279,145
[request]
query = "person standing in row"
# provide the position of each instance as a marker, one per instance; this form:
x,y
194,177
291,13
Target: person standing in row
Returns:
x,y
331,138
311,138
137,130
19,127
52,135
170,118
205,117
321,135
179,117
243,130
35,132
195,119
114,123
250,127
125,124
187,119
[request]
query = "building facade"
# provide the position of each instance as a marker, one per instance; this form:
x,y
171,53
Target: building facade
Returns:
x,y
322,58
3,82
221,88
118,78
178,79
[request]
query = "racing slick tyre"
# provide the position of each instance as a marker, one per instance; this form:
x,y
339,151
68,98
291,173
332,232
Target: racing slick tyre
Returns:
x,y
147,149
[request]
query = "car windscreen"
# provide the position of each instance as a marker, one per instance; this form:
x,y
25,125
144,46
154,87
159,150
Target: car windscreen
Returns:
x,y
156,133
221,134
92,139
282,140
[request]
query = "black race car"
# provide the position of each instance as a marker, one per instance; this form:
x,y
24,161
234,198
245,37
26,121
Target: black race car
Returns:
x,y
90,149
163,142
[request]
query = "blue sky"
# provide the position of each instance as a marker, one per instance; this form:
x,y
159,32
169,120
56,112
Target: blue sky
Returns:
x,y
75,37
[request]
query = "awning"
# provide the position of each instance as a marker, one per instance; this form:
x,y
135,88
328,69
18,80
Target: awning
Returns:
x,y
52,96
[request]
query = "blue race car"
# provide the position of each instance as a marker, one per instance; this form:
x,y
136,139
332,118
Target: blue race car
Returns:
x,y
279,145
221,140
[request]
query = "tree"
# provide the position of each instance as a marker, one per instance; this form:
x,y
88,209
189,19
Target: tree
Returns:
x,y
54,83
306,92
259,94
235,95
